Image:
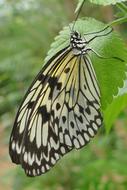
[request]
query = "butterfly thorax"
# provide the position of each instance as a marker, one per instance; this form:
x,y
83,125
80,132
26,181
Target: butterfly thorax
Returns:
x,y
78,44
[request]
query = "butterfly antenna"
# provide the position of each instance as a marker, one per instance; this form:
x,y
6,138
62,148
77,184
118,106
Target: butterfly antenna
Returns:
x,y
77,15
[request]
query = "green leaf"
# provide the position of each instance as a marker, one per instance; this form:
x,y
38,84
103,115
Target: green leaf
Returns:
x,y
113,110
110,72
106,2
100,2
122,7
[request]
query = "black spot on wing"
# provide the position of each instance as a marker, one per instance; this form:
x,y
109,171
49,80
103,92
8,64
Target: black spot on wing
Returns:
x,y
52,83
41,77
72,124
59,86
30,104
44,113
58,106
80,119
67,70
56,120
64,119
88,110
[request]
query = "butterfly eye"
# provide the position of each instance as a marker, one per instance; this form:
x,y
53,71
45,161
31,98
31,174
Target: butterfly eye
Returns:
x,y
77,34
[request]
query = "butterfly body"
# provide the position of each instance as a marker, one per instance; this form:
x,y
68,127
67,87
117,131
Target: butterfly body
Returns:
x,y
78,44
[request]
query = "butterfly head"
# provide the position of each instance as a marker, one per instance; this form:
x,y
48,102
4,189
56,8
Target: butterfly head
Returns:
x,y
77,43
75,35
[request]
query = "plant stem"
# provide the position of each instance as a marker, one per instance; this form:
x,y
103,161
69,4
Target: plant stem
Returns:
x,y
118,21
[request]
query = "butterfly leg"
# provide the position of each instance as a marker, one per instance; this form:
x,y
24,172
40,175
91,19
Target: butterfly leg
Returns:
x,y
96,53
102,57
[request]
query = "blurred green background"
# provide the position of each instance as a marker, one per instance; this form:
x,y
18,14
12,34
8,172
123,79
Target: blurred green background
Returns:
x,y
27,28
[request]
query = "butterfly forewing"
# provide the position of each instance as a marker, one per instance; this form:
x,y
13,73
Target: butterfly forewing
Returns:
x,y
30,99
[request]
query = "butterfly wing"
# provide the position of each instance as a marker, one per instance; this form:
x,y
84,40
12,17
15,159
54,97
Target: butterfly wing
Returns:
x,y
61,111
27,105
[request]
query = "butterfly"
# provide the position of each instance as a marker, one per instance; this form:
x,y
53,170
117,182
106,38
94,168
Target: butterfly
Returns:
x,y
61,109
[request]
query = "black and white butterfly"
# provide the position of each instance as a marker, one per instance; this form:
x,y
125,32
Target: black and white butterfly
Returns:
x,y
60,111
